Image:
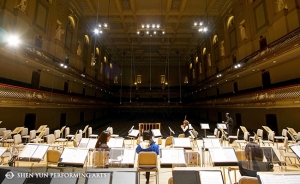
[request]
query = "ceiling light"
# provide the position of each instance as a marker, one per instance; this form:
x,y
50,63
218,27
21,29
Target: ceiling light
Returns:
x,y
150,29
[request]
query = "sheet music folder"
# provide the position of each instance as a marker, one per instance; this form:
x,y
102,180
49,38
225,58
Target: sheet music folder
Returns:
x,y
224,156
133,133
33,152
204,125
296,149
278,178
221,125
73,157
198,177
156,133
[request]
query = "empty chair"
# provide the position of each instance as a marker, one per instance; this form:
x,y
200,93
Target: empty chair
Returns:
x,y
241,157
51,141
234,137
100,158
58,138
24,134
68,135
77,138
147,162
245,140
47,131
39,138
181,136
169,141
52,160
1,132
32,135
84,131
7,137
248,180
215,134
258,136
270,138
90,133
18,142
284,152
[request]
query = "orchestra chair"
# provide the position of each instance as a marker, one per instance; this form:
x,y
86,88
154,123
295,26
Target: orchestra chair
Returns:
x,y
244,141
51,141
215,134
62,131
270,139
147,162
68,136
241,157
234,137
281,137
18,142
170,181
7,138
258,136
285,153
193,159
181,136
77,138
52,160
169,142
58,138
84,131
39,138
90,133
25,135
100,158
248,180
47,132
32,135
1,132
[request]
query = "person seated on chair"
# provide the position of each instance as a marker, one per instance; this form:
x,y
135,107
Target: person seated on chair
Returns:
x,y
186,127
102,141
254,155
147,145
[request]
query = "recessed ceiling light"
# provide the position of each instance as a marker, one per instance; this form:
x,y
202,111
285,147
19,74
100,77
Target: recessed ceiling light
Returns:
x,y
274,61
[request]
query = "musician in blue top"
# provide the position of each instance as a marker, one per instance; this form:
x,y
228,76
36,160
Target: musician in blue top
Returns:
x,y
147,145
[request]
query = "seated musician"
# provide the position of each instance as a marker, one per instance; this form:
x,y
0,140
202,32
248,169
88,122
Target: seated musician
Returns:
x,y
147,145
254,155
186,127
102,141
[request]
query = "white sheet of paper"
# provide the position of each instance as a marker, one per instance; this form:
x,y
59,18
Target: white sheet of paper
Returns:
x,y
279,178
83,142
71,155
40,151
209,177
92,143
124,178
174,156
29,150
204,126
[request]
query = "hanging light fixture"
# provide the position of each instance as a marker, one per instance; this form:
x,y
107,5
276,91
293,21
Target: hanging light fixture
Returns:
x,y
200,26
102,26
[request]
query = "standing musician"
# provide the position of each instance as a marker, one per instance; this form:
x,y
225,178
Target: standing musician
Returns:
x,y
186,127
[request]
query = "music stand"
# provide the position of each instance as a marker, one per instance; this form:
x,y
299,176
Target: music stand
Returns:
x,y
133,133
171,131
156,133
194,138
204,126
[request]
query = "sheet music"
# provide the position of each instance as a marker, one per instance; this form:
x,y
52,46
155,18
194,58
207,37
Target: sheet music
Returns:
x,y
221,125
116,142
40,151
2,150
209,177
175,156
296,149
14,180
95,180
223,155
92,143
129,156
71,155
63,180
211,143
279,178
134,133
29,150
156,133
124,178
182,142
204,126
83,143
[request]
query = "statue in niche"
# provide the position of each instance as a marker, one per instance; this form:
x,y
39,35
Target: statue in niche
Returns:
x,y
200,68
243,32
78,49
22,5
281,4
222,49
208,60
59,31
